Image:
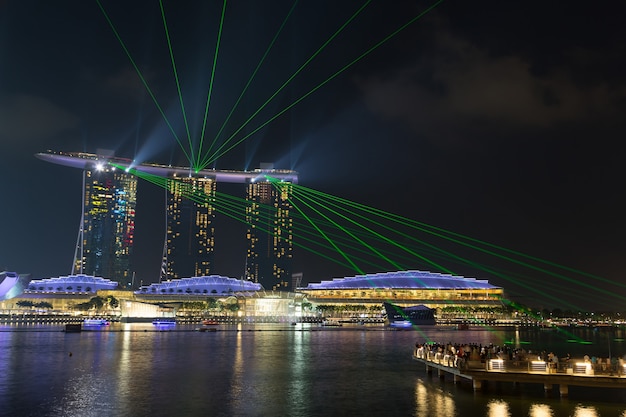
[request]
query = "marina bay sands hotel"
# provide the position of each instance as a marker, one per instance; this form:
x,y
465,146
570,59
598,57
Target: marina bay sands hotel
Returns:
x,y
107,228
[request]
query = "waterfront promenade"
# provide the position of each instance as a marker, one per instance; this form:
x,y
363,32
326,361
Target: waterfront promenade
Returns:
x,y
518,369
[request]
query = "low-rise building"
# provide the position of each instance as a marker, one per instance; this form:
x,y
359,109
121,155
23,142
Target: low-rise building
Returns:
x,y
406,288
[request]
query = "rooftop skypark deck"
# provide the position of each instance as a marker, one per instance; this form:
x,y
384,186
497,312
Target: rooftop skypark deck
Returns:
x,y
93,162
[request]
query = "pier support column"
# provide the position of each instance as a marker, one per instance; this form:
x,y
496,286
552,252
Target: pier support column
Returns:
x,y
457,379
429,369
477,384
547,387
563,390
441,373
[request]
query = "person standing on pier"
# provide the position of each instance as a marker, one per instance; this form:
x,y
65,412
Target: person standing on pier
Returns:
x,y
555,361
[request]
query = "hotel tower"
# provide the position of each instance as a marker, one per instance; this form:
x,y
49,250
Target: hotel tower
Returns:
x,y
270,239
107,229
190,234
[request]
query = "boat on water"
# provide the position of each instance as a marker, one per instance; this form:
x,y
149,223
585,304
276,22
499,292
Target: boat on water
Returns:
x,y
401,324
164,322
331,323
96,322
210,322
405,317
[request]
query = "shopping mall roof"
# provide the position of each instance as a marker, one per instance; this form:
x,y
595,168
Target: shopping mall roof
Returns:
x,y
79,283
209,285
403,280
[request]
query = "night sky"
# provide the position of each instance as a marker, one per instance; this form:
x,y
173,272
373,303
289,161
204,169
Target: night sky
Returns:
x,y
501,121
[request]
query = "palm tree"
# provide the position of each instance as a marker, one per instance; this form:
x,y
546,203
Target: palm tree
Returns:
x,y
24,303
44,304
112,302
97,302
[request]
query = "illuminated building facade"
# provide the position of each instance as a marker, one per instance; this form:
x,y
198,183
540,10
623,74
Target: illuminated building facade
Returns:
x,y
407,288
270,239
107,232
190,230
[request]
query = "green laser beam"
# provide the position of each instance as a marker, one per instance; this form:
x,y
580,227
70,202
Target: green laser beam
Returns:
x,y
180,96
298,71
334,224
410,224
236,215
218,154
354,266
143,80
459,258
208,100
439,267
352,235
527,256
203,163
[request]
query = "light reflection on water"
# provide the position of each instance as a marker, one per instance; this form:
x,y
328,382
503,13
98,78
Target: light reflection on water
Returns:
x,y
299,387
83,396
131,370
6,358
540,410
124,369
433,402
585,411
498,408
237,387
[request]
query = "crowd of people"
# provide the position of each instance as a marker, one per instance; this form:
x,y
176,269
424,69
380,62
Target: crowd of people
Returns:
x,y
460,355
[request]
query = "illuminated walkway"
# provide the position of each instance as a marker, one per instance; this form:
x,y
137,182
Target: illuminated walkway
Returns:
x,y
500,370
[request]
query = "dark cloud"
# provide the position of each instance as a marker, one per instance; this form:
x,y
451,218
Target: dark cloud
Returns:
x,y
471,86
126,84
26,118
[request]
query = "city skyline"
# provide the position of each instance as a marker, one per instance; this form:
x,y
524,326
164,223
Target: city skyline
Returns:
x,y
497,121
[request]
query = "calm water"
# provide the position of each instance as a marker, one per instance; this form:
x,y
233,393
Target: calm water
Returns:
x,y
270,370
